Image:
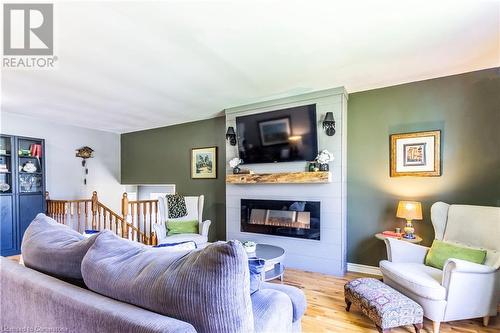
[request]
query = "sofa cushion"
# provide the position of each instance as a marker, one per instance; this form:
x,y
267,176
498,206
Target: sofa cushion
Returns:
x,y
182,227
441,251
422,280
176,206
55,249
208,288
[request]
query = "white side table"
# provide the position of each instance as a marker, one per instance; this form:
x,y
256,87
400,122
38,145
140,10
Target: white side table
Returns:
x,y
274,257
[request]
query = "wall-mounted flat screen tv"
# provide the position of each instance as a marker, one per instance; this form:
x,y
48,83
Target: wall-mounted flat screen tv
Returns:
x,y
278,136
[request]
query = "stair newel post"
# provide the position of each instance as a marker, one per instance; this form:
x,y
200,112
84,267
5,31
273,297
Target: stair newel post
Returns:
x,y
94,210
124,215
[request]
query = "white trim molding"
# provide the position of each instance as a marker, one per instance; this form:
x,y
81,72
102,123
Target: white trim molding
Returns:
x,y
365,269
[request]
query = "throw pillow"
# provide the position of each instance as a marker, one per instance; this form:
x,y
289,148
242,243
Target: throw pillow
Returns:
x,y
208,288
182,227
179,246
176,206
55,249
441,251
256,267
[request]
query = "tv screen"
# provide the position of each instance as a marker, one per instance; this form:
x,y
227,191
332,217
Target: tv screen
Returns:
x,y
278,136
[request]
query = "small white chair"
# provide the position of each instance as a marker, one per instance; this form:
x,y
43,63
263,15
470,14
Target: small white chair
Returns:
x,y
194,206
463,289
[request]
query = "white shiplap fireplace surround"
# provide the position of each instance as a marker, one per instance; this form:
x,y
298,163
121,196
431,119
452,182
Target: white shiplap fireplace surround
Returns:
x,y
327,255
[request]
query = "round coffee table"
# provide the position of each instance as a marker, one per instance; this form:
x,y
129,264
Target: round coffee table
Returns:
x,y
274,257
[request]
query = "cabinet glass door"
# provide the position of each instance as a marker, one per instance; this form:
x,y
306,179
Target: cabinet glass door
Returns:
x,y
6,164
30,165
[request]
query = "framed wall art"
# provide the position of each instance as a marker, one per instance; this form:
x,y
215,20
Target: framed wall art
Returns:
x,y
204,163
415,154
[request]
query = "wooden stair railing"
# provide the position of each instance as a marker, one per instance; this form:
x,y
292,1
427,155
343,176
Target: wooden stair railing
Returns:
x,y
135,222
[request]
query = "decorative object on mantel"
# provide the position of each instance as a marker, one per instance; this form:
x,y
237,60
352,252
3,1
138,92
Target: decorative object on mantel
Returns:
x,y
329,124
324,157
234,163
409,210
231,136
84,153
204,163
416,154
320,177
313,166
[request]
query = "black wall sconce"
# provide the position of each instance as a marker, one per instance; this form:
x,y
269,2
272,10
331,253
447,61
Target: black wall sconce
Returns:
x,y
231,136
329,124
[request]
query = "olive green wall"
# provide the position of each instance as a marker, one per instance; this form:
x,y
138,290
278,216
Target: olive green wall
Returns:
x,y
466,108
163,156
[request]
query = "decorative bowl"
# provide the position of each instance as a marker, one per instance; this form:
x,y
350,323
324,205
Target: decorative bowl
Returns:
x,y
250,246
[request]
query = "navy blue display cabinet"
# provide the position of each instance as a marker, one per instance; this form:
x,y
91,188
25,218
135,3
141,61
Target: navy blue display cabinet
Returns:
x,y
22,188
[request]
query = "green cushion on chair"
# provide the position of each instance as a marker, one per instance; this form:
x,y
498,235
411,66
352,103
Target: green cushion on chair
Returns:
x,y
182,227
441,251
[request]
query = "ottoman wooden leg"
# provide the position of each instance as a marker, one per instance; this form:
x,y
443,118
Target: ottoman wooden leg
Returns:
x,y
347,305
418,327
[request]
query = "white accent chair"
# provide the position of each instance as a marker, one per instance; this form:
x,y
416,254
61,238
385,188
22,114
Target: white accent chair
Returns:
x,y
194,206
462,290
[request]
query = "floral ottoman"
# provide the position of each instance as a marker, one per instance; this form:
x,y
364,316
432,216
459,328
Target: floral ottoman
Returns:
x,y
387,307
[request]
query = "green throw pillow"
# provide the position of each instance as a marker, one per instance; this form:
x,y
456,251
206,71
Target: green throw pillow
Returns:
x,y
441,251
182,227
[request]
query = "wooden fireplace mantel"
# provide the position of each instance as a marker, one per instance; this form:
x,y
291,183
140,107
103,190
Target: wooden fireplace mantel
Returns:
x,y
319,177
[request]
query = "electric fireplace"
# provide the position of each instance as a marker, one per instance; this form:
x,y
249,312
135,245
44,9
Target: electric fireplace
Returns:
x,y
294,218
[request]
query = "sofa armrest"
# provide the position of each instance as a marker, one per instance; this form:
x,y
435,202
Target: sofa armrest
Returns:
x,y
463,266
272,311
161,232
203,227
299,302
453,265
402,251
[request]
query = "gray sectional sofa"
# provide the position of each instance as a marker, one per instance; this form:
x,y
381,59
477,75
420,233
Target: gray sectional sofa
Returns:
x,y
129,287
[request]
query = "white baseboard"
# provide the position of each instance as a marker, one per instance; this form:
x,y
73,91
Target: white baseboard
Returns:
x,y
358,268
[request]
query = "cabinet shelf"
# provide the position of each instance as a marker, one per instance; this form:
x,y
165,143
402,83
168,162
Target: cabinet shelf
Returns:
x,y
319,177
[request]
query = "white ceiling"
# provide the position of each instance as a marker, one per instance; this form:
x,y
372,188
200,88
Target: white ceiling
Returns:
x,y
125,66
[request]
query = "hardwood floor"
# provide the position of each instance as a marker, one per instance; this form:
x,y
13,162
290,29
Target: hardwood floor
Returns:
x,y
326,308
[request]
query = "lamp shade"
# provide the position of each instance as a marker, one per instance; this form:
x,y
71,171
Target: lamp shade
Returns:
x,y
230,131
329,116
409,210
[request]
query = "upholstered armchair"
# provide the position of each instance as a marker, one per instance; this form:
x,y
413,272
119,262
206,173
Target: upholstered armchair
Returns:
x,y
462,290
194,206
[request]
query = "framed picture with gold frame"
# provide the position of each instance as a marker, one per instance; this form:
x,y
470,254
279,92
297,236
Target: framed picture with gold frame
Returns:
x,y
415,154
204,163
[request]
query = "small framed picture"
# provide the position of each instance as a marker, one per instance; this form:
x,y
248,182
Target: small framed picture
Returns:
x,y
204,163
274,132
416,154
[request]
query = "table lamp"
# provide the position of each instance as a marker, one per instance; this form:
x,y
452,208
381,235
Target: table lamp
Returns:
x,y
409,210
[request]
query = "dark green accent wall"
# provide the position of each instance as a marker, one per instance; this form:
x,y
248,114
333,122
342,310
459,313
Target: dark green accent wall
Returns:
x,y
163,156
466,108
